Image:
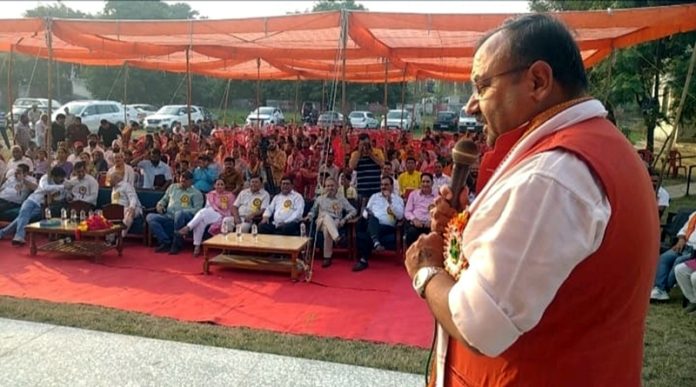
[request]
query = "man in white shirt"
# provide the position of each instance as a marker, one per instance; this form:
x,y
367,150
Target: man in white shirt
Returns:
x,y
123,193
383,211
40,129
126,171
50,184
439,178
16,188
18,157
78,148
153,168
83,187
250,203
286,209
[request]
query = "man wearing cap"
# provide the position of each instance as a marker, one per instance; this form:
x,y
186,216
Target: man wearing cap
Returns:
x,y
179,204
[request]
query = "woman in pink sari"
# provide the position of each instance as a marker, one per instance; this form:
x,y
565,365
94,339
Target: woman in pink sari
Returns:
x,y
218,205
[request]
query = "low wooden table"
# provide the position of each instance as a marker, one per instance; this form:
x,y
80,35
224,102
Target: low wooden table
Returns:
x,y
256,253
91,243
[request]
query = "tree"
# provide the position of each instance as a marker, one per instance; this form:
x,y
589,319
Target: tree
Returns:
x,y
332,5
146,10
638,73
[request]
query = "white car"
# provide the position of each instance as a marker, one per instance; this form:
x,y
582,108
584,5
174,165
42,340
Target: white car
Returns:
x,y
143,110
170,114
92,112
363,120
265,115
22,105
398,119
467,122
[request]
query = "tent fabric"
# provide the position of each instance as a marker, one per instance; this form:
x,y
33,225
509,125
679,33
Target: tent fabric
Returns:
x,y
379,47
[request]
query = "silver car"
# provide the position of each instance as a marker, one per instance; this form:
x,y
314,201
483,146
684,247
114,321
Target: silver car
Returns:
x,y
361,119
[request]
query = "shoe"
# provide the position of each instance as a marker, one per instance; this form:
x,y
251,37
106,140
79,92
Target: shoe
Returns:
x,y
360,265
378,246
690,308
658,294
174,250
18,242
326,263
196,251
163,248
184,231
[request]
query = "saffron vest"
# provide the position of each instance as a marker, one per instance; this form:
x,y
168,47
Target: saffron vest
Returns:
x,y
592,332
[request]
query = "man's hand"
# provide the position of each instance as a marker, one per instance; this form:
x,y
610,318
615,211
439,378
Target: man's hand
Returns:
x,y
417,223
428,250
264,221
160,208
237,220
341,223
443,211
679,247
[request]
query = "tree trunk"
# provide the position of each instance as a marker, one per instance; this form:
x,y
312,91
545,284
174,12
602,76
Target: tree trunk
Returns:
x,y
651,103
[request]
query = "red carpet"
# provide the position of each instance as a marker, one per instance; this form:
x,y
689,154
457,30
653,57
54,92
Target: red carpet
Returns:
x,y
377,304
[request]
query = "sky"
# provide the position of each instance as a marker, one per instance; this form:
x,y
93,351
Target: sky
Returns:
x,y
245,9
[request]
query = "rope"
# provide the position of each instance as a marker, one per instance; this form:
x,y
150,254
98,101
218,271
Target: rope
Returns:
x,y
108,96
177,90
33,70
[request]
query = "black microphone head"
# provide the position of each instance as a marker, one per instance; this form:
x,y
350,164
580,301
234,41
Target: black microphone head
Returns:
x,y
465,152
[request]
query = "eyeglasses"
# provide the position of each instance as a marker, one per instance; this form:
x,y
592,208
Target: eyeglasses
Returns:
x,y
482,84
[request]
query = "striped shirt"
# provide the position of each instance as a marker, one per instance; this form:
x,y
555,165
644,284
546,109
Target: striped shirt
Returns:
x,y
369,173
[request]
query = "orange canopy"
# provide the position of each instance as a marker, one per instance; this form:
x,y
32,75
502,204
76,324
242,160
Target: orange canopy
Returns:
x,y
379,46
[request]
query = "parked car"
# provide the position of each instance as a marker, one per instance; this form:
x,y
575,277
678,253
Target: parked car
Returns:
x,y
446,120
398,119
167,115
330,119
265,115
310,113
144,110
92,112
21,105
467,122
363,120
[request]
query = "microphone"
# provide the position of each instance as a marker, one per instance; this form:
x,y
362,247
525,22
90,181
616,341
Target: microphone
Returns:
x,y
464,154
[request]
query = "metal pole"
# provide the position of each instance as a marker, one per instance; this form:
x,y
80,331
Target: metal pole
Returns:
x,y
125,96
403,97
49,44
227,95
9,94
297,93
188,86
344,44
258,91
386,76
323,91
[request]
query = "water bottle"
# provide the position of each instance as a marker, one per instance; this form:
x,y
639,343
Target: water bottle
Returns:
x,y
90,214
47,213
255,232
73,216
303,230
100,213
83,216
238,230
64,215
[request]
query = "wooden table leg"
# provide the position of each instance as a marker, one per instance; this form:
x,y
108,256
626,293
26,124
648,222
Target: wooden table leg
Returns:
x,y
206,264
293,269
119,243
32,244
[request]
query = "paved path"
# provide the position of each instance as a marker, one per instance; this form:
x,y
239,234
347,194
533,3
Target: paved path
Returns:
x,y
677,191
35,354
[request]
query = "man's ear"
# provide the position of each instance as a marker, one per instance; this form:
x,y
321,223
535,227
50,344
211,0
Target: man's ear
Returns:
x,y
541,76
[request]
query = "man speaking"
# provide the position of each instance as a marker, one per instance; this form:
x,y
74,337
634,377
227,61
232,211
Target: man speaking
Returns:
x,y
545,278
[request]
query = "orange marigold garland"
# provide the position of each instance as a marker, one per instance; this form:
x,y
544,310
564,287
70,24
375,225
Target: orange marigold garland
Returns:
x,y
455,262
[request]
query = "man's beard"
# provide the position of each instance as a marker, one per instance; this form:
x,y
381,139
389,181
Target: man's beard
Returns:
x,y
155,163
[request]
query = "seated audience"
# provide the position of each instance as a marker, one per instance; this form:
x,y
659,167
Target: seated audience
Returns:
x,y
42,165
439,178
683,250
62,161
410,179
50,185
205,174
16,188
284,213
218,205
250,203
331,213
83,187
153,169
685,273
17,158
382,212
120,167
417,211
123,193
234,182
177,207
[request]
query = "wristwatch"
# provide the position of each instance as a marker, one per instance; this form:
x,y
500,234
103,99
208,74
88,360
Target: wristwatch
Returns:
x,y
422,277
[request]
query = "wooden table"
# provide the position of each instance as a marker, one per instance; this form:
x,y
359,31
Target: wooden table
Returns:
x,y
91,243
256,253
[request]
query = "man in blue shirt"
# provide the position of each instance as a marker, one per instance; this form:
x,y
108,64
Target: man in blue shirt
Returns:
x,y
205,174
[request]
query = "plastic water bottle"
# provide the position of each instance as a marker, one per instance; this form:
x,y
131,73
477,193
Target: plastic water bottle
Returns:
x,y
73,216
47,213
83,216
238,231
303,230
255,232
64,215
90,214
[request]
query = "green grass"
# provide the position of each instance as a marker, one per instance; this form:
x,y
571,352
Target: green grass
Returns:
x,y
670,342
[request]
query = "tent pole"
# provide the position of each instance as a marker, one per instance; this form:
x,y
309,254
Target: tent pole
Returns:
x,y
258,92
125,96
227,96
297,94
49,44
9,94
188,86
323,90
403,97
386,75
344,44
